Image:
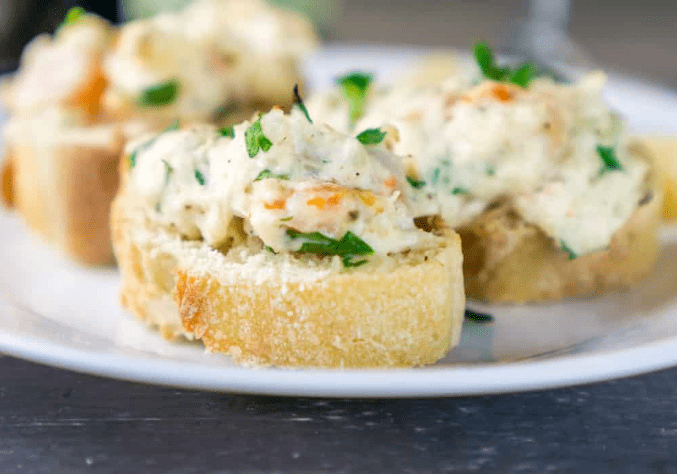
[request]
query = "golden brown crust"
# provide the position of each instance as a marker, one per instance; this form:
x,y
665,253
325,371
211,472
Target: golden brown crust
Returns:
x,y
7,179
64,192
664,152
507,260
353,319
409,316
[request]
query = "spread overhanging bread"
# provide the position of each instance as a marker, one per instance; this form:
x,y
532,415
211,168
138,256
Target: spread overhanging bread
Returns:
x,y
508,260
241,284
538,177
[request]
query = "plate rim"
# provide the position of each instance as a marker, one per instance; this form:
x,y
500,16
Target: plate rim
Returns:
x,y
459,379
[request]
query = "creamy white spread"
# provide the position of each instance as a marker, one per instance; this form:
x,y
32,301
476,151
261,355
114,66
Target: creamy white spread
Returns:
x,y
218,52
311,179
55,69
468,142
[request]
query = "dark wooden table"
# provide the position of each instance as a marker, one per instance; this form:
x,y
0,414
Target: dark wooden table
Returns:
x,y
54,421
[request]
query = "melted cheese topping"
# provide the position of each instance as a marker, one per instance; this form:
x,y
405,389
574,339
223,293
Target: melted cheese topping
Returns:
x,y
319,180
472,142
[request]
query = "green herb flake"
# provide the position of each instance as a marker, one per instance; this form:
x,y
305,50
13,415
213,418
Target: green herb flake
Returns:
x,y
491,171
609,159
227,132
286,219
348,247
478,317
223,111
73,16
486,60
132,159
168,171
436,176
200,177
298,102
354,88
255,139
416,184
160,95
267,174
459,191
371,136
567,249
270,249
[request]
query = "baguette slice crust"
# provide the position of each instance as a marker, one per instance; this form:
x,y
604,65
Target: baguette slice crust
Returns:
x,y
664,151
63,190
508,260
265,309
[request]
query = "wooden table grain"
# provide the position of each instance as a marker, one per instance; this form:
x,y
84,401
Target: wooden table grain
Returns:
x,y
55,421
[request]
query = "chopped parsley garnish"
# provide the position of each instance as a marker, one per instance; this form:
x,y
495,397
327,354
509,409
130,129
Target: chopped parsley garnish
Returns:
x,y
255,139
168,171
478,317
298,102
73,16
568,250
266,174
200,177
354,88
348,247
270,249
415,183
160,95
491,171
436,176
459,191
286,219
609,159
227,132
132,158
371,136
484,56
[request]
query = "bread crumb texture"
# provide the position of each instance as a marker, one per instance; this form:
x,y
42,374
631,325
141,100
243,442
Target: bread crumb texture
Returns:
x,y
283,310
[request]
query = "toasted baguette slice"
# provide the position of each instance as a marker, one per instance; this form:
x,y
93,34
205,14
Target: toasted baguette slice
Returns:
x,y
283,310
508,260
664,151
62,183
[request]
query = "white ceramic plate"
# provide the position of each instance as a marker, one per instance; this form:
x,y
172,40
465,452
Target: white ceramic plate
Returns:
x,y
60,314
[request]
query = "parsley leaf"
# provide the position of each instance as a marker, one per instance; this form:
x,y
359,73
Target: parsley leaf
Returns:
x,y
200,177
478,317
459,191
609,159
267,174
416,184
354,88
298,102
568,250
73,16
223,111
348,247
227,132
256,140
168,171
371,136
484,56
160,95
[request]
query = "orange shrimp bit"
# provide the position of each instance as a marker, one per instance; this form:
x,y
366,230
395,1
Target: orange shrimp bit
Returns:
x,y
276,204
